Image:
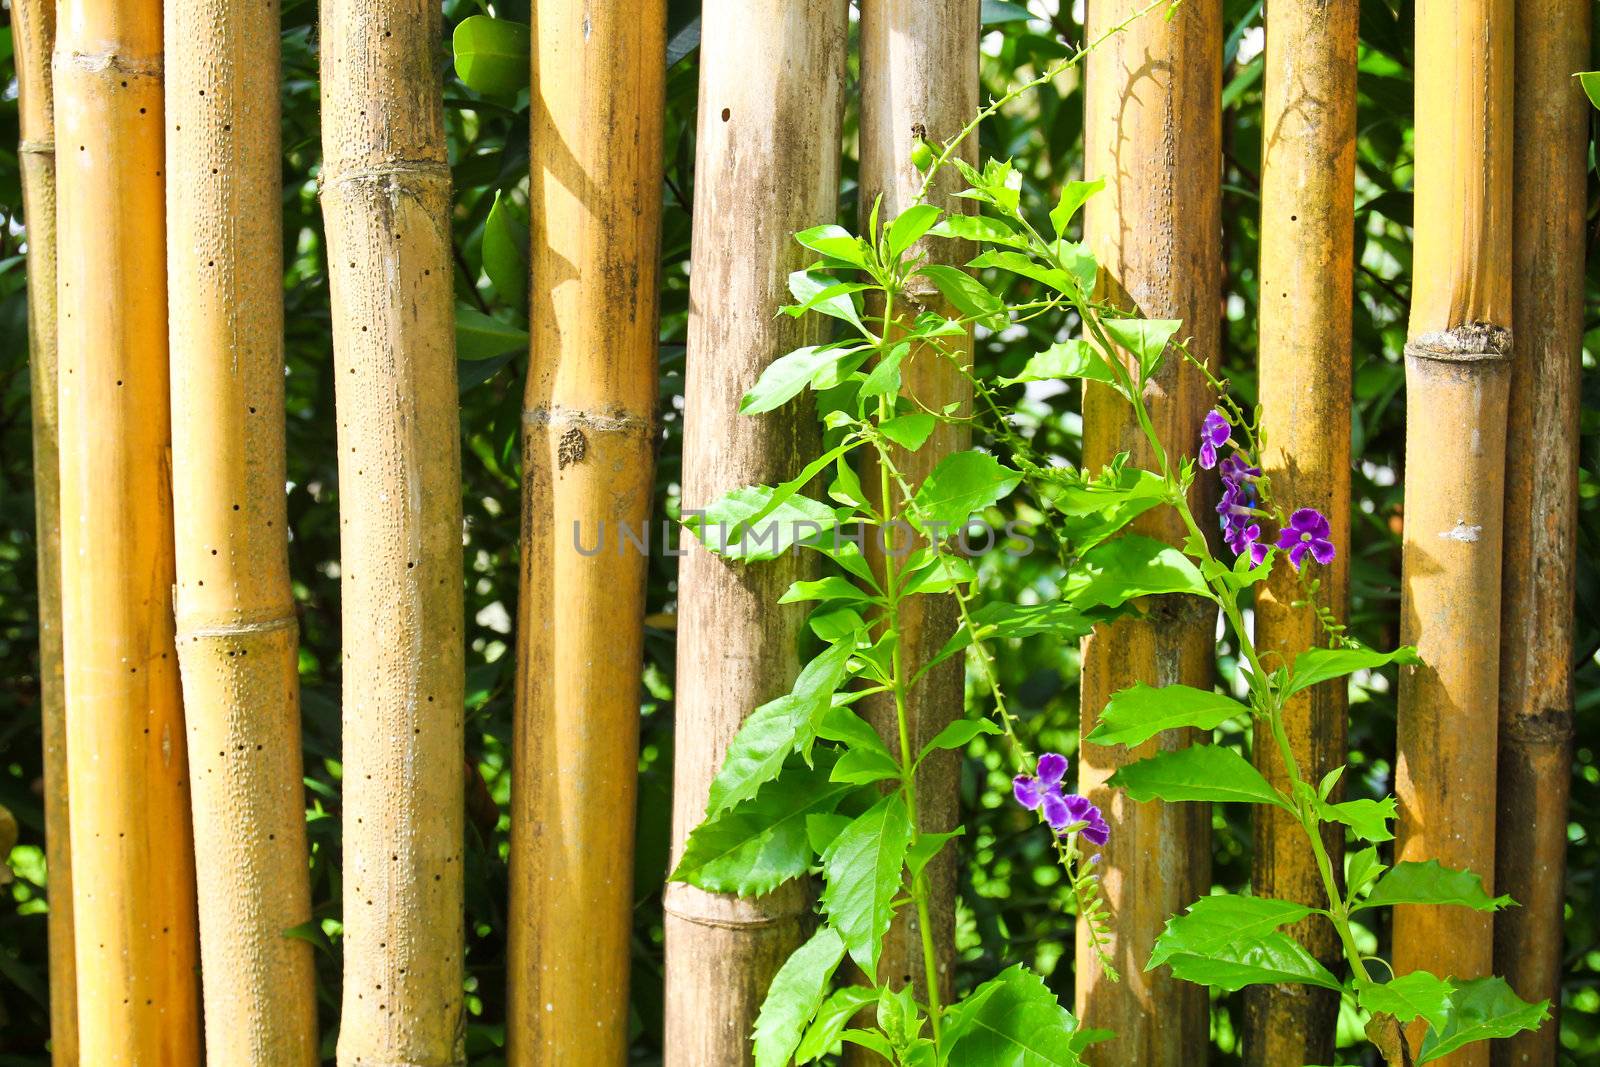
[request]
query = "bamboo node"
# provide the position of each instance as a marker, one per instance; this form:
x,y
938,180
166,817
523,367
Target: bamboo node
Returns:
x,y
36,148
239,629
393,172
620,422
1552,727
1471,342
113,62
724,912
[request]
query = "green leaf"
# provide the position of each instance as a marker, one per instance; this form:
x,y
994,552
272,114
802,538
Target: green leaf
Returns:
x,y
1112,573
1479,1010
1590,80
505,253
1145,338
908,431
479,337
794,997
997,11
729,526
1138,713
919,855
1431,883
862,766
984,228
863,868
1410,996
907,228
1027,267
885,377
1368,819
1270,959
757,845
1065,359
1095,510
941,573
1213,922
871,1039
1362,870
958,734
835,242
1073,195
1196,772
787,375
492,55
1012,1020
808,286
962,483
1016,620
822,1038
832,587
1320,664
968,295
777,728
822,828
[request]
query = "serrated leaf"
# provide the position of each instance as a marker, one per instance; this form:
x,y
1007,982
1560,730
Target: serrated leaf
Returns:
x,y
1320,664
1012,1020
1073,196
1479,1010
1213,922
1065,359
1432,883
1138,713
1418,995
1114,572
479,337
1272,959
962,483
794,997
1368,819
491,55
863,868
822,1037
1197,772
1146,339
505,253
968,295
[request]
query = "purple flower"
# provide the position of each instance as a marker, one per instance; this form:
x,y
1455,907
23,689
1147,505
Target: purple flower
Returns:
x,y
1095,831
1307,532
1213,433
1042,793
1236,471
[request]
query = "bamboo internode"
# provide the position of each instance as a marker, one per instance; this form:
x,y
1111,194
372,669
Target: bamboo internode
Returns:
x,y
919,80
235,615
588,459
132,859
386,203
1541,503
771,93
1153,132
1457,375
1307,239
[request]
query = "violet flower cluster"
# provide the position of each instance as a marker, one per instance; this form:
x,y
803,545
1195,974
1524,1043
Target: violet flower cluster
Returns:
x,y
1064,812
1306,532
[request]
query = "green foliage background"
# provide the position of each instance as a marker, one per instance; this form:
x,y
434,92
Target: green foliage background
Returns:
x,y
1011,896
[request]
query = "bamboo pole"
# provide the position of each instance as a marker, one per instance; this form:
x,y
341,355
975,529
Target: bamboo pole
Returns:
x,y
1153,132
133,884
1457,374
34,38
1536,728
237,634
1307,248
919,79
599,89
386,203
771,92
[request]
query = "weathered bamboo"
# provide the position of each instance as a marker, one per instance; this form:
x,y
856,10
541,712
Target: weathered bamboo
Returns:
x,y
1548,164
386,203
133,884
919,79
33,24
588,454
771,91
237,633
1153,132
1307,245
1457,374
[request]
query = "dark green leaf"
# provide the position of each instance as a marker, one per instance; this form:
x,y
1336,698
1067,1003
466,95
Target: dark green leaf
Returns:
x,y
997,11
479,337
863,868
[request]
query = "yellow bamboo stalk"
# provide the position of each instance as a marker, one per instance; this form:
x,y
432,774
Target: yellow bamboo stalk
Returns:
x,y
1457,374
588,453
34,37
1153,132
386,204
133,885
1536,729
771,90
919,79
1307,239
237,633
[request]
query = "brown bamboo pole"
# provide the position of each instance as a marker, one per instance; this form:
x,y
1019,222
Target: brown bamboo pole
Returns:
x,y
33,25
386,203
588,453
1153,132
237,634
1457,374
1536,729
133,884
919,79
767,165
1307,248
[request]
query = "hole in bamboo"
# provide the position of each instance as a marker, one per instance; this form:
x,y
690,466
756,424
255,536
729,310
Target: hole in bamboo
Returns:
x,y
726,114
